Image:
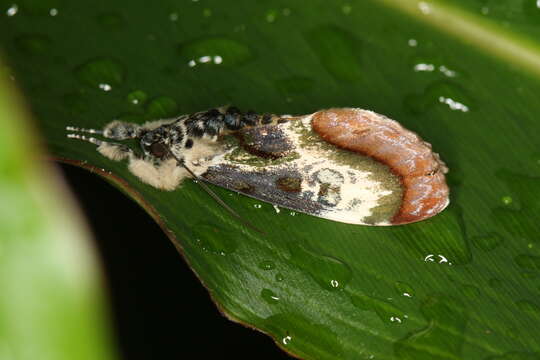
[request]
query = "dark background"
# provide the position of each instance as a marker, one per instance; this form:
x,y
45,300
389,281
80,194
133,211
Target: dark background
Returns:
x,y
160,309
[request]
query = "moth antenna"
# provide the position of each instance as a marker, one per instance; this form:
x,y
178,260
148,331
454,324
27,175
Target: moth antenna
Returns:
x,y
205,187
89,131
92,140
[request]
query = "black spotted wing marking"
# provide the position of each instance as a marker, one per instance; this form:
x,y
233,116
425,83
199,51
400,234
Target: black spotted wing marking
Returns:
x,y
266,141
280,186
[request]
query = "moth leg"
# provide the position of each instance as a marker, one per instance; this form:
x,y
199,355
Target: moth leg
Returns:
x,y
110,150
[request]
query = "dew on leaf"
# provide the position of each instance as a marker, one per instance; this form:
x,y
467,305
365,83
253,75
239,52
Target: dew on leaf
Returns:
x,y
338,51
487,242
329,272
404,289
161,107
271,16
267,265
269,296
385,310
137,97
443,336
215,240
296,331
214,51
443,94
100,73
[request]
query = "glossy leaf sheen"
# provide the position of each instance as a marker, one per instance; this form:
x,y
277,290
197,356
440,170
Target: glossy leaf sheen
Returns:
x,y
462,285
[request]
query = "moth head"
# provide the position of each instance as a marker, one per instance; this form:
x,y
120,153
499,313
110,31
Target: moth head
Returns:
x,y
155,144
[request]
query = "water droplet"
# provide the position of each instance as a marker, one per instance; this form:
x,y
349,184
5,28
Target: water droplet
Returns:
x,y
269,296
338,51
487,242
441,93
239,28
439,259
531,9
515,216
346,9
110,20
294,85
214,51
443,335
506,200
271,16
420,242
105,87
412,42
36,7
207,12
386,311
215,240
298,332
528,307
137,97
330,273
100,73
267,265
286,340
12,10
528,262
435,65
535,161
161,107
173,16
33,44
404,289
279,277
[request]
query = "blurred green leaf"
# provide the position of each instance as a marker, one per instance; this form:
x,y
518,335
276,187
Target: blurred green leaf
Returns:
x,y
51,305
463,74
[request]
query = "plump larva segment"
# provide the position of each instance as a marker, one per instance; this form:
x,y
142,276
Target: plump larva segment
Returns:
x,y
420,169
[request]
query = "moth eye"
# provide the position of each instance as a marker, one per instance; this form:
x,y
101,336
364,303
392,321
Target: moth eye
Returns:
x,y
158,149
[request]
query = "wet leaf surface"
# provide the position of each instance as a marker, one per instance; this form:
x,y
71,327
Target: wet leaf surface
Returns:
x,y
462,285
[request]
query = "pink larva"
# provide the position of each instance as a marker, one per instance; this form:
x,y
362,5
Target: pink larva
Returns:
x,y
404,152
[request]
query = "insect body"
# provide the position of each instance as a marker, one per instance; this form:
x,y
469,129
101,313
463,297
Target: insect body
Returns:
x,y
348,165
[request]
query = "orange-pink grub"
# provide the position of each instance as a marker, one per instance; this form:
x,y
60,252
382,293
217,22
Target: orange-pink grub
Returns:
x,y
404,152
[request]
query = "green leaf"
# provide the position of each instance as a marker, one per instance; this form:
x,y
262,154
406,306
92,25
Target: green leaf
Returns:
x,y
463,74
51,305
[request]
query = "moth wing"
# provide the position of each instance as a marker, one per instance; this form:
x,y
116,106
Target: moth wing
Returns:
x,y
289,165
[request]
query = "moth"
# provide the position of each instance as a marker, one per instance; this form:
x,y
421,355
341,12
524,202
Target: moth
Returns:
x,y
344,164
